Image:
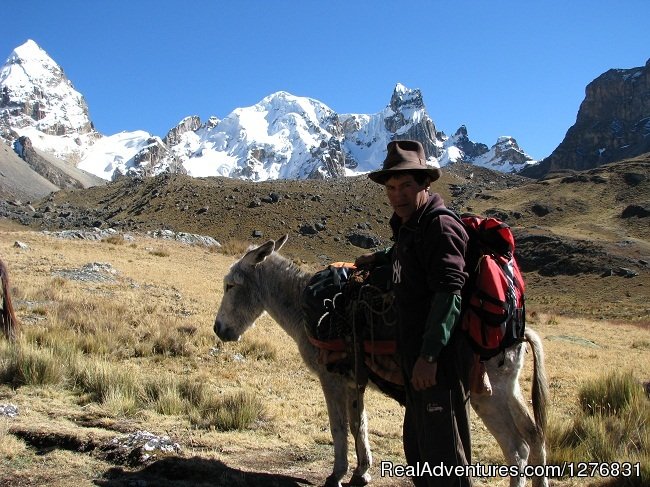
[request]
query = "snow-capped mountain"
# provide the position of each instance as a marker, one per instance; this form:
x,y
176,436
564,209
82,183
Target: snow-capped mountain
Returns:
x,y
505,155
405,117
283,136
290,137
136,153
40,103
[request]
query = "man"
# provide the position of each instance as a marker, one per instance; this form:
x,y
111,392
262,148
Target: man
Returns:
x,y
428,275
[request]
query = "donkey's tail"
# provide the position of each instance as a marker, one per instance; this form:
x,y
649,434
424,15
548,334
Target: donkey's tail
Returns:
x,y
8,320
540,383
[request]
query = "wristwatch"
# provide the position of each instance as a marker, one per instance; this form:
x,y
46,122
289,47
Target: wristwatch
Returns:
x,y
428,358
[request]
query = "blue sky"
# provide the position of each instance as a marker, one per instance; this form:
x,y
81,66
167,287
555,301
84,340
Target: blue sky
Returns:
x,y
507,67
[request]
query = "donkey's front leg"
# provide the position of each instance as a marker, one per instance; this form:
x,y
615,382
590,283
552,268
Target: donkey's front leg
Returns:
x,y
359,430
335,399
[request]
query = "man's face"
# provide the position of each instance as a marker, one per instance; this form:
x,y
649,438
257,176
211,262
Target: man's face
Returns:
x,y
405,195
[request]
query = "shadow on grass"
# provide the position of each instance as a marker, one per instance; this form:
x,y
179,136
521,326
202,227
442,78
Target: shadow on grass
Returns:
x,y
186,472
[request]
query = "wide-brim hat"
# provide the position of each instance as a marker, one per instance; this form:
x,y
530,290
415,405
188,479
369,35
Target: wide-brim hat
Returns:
x,y
404,155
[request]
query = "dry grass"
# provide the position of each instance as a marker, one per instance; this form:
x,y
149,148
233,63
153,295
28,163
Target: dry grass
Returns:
x,y
115,239
10,446
234,247
612,424
138,352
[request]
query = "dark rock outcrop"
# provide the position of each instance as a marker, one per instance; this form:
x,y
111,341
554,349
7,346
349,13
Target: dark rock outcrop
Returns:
x,y
551,255
470,149
25,150
613,123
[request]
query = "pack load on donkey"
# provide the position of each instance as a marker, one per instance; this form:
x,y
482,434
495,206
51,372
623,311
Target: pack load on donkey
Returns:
x,y
349,310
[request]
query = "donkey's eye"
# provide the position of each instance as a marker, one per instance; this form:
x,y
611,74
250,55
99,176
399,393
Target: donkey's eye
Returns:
x,y
227,287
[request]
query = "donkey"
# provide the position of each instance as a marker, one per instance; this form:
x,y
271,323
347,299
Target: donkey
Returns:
x,y
263,280
8,320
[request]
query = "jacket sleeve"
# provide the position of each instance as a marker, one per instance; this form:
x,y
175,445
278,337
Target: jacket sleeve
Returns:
x,y
441,321
446,275
446,264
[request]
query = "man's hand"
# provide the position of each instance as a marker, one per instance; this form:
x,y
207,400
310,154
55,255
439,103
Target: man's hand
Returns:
x,y
424,374
364,259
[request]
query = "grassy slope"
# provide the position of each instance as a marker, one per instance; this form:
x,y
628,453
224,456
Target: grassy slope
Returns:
x,y
181,287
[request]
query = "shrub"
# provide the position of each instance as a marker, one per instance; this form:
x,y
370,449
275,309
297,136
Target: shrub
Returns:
x,y
233,412
609,396
26,365
613,425
194,392
114,240
160,252
172,342
104,382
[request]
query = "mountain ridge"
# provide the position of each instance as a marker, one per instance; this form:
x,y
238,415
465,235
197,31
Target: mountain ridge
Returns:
x,y
282,136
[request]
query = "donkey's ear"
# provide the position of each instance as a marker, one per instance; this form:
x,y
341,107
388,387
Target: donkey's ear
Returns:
x,y
280,242
257,255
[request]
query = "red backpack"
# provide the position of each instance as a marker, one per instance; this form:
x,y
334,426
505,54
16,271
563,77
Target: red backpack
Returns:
x,y
493,309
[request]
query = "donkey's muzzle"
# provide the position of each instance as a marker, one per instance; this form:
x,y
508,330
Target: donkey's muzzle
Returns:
x,y
224,333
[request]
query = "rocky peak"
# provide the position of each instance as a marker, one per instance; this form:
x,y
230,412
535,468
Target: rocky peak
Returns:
x,y
469,149
212,123
404,99
507,149
36,93
407,118
188,124
613,123
153,159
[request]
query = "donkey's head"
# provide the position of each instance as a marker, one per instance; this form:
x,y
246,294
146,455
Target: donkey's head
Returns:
x,y
242,292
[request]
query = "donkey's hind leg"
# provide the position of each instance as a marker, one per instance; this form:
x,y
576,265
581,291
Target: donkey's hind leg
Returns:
x,y
530,434
493,411
359,430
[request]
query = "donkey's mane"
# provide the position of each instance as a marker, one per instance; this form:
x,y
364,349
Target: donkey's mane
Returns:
x,y
285,270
